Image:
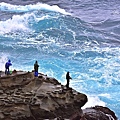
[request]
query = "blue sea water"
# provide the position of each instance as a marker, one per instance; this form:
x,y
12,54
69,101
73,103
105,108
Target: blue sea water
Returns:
x,y
79,36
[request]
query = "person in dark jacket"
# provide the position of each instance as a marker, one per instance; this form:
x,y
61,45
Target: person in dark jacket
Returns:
x,y
68,79
7,65
36,66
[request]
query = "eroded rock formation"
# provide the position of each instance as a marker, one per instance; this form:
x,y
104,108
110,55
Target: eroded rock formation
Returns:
x,y
25,97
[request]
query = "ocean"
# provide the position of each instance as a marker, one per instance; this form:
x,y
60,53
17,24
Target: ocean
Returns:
x,y
79,36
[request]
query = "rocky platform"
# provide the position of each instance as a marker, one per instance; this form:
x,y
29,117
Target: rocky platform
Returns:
x,y
25,97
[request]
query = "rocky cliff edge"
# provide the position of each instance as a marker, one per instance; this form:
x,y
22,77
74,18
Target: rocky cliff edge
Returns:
x,y
25,97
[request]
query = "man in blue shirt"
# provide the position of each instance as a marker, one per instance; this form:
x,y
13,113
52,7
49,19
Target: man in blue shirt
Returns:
x,y
7,65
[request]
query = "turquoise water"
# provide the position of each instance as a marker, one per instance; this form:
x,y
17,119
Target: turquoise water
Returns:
x,y
81,37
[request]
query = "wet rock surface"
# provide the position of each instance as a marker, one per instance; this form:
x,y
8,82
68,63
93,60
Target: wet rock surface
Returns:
x,y
95,113
25,97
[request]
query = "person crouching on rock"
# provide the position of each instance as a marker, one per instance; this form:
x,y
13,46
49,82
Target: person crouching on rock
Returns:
x,y
68,79
36,69
7,65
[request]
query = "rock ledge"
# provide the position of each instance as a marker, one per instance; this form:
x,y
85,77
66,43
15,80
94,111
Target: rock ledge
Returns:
x,y
25,97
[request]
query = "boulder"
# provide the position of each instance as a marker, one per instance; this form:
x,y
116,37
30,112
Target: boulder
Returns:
x,y
95,113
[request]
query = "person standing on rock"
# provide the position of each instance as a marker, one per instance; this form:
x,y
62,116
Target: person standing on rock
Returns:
x,y
36,66
7,65
68,79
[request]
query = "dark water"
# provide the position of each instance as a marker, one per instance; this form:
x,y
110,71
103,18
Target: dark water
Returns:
x,y
80,36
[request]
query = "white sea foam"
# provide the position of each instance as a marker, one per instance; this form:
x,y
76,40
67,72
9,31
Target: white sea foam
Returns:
x,y
3,60
105,95
93,101
16,23
31,7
